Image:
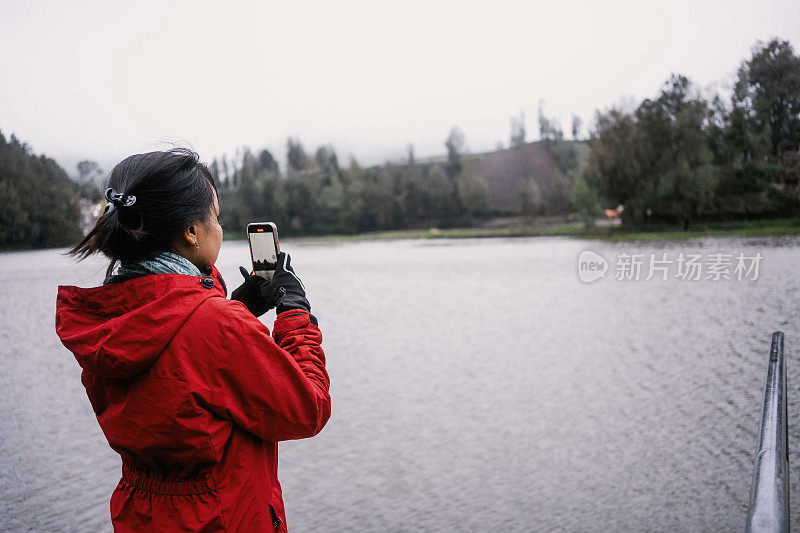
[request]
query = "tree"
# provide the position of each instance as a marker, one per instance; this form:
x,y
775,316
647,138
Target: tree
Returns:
x,y
586,202
473,191
455,145
769,84
214,169
613,168
517,137
90,179
414,194
440,191
89,172
715,130
225,172
267,163
682,178
577,122
326,160
549,128
327,164
248,207
296,157
300,208
455,150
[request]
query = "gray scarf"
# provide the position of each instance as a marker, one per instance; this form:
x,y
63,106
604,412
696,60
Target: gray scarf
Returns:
x,y
162,263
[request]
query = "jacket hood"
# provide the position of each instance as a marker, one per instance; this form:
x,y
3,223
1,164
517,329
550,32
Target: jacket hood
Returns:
x,y
120,329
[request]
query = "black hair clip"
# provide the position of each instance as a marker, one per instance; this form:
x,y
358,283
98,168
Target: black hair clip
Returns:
x,y
118,199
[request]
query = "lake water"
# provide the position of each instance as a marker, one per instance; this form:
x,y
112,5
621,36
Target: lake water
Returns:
x,y
476,385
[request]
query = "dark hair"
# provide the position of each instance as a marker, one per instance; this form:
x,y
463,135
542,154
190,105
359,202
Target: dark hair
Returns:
x,y
172,190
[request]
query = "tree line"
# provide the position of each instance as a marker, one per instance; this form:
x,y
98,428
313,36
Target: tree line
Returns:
x,y
682,156
318,195
40,203
679,157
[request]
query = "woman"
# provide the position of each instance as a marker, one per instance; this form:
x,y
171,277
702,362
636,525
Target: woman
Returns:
x,y
189,387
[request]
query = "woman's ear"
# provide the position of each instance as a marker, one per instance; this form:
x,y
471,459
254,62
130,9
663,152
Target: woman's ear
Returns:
x,y
190,235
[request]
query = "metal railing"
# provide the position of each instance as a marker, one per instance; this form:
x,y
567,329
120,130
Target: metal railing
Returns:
x,y
769,494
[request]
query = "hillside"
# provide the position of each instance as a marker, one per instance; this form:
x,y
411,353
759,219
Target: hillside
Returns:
x,y
549,166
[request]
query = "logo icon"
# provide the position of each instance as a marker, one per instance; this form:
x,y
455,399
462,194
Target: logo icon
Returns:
x,y
591,266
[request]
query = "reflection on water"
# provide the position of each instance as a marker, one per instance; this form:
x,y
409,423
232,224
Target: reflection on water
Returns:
x,y
475,384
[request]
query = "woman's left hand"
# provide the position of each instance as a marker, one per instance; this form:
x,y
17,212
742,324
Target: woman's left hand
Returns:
x,y
249,293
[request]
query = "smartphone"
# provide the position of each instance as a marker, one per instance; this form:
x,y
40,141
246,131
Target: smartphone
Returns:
x,y
264,248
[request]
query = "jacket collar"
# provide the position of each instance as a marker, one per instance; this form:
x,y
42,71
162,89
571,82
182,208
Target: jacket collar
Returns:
x,y
211,279
211,272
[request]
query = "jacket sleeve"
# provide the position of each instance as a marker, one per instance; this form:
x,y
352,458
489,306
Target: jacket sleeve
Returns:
x,y
274,387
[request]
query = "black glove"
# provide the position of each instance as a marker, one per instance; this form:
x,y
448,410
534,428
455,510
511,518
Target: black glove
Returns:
x,y
249,293
284,291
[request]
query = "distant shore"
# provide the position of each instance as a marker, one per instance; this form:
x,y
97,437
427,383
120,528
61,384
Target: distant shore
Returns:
x,y
613,233
651,232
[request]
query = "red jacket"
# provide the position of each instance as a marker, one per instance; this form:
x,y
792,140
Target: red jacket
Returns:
x,y
193,393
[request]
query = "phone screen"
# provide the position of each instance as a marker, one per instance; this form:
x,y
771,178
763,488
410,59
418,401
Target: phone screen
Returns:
x,y
263,250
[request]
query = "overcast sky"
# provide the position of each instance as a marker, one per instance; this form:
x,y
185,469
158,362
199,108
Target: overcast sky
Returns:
x,y
102,80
